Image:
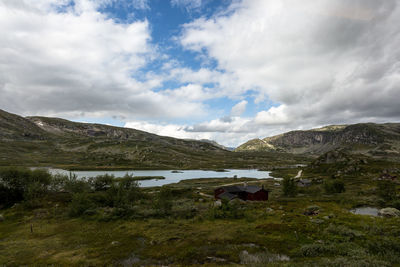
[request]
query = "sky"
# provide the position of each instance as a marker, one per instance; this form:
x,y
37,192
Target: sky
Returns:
x,y
225,70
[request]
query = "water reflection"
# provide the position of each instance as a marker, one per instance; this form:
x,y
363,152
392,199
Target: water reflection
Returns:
x,y
172,176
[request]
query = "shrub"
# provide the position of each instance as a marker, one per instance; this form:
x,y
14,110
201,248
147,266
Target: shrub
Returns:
x,y
353,262
334,186
58,182
342,232
17,184
289,187
124,192
332,249
75,185
80,203
386,190
163,201
396,204
227,210
101,182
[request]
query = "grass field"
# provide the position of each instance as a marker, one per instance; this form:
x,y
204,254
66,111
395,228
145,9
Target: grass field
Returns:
x,y
193,231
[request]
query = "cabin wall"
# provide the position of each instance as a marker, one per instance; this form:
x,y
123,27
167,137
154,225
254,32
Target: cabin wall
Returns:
x,y
258,196
217,192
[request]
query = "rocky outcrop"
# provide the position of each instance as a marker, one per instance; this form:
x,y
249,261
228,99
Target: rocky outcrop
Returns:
x,y
389,212
365,138
37,140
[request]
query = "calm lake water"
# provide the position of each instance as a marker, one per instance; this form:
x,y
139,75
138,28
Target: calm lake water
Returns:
x,y
171,177
365,211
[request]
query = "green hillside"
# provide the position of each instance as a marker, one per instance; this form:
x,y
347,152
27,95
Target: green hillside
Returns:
x,y
365,138
41,141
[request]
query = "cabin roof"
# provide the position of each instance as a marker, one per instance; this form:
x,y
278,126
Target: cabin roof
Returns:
x,y
249,189
227,196
232,189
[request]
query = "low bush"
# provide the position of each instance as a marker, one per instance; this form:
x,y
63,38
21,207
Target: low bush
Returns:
x,y
163,202
80,203
289,187
334,186
331,249
386,190
18,184
101,182
342,232
75,185
231,210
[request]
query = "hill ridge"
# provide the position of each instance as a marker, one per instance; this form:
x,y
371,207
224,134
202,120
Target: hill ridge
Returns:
x,y
366,138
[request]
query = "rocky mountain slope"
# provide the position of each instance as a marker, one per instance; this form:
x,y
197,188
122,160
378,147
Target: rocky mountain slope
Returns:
x,y
367,138
42,141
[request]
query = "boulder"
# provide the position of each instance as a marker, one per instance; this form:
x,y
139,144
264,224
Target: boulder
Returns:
x,y
389,212
217,203
311,210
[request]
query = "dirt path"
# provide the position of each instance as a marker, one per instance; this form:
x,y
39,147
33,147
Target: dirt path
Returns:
x,y
238,183
206,195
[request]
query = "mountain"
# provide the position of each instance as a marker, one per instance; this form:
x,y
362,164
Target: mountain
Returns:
x,y
42,141
365,138
217,144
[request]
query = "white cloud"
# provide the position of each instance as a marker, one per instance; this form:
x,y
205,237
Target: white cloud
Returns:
x,y
71,60
324,62
191,92
188,5
141,4
174,130
239,108
226,133
319,62
272,116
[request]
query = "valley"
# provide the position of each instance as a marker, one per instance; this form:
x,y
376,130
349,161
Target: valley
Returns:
x,y
333,197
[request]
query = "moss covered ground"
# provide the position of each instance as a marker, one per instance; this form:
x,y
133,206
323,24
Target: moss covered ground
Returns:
x,y
192,231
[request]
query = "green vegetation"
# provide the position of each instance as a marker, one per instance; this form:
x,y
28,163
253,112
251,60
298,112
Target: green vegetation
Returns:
x,y
43,142
387,190
289,187
377,140
111,221
334,186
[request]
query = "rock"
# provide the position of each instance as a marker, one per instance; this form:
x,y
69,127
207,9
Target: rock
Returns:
x,y
326,218
16,205
218,203
1,218
317,221
115,243
201,200
270,210
389,212
215,259
311,210
89,212
131,260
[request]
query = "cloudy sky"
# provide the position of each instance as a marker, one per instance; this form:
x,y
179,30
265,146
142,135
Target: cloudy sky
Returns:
x,y
215,69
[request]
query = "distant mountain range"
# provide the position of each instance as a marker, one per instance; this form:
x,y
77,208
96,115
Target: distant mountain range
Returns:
x,y
365,138
42,141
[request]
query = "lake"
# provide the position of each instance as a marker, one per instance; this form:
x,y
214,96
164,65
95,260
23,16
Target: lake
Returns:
x,y
171,177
